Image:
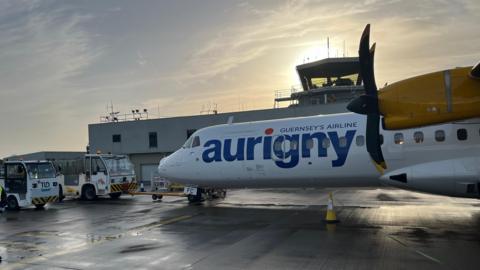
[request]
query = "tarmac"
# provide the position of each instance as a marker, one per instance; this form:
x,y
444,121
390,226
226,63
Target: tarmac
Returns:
x,y
250,229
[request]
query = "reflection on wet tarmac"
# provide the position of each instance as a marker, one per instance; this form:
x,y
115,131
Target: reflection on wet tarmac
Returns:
x,y
251,229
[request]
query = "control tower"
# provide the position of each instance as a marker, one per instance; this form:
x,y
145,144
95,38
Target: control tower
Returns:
x,y
329,80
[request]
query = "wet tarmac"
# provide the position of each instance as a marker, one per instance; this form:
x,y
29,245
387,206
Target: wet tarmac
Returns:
x,y
250,229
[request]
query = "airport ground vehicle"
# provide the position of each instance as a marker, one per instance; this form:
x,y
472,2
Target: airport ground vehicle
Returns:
x,y
96,174
29,183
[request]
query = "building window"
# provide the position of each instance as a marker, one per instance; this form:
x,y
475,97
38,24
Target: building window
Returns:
x,y
152,139
116,138
461,134
190,132
360,140
439,135
418,137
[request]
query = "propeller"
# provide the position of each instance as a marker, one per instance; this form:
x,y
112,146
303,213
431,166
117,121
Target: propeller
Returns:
x,y
475,72
368,104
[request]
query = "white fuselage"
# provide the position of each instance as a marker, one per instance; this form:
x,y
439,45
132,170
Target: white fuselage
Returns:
x,y
328,151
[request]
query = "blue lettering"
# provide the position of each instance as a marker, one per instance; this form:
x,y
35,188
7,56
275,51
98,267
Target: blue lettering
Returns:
x,y
267,147
320,136
251,142
292,154
216,150
239,155
286,148
342,151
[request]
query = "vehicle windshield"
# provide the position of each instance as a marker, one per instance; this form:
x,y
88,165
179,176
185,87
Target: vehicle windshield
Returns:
x,y
119,165
41,170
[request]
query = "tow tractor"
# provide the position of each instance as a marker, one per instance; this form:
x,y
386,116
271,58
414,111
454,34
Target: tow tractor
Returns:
x,y
97,174
29,183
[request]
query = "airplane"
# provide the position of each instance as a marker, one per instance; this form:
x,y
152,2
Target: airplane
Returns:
x,y
330,151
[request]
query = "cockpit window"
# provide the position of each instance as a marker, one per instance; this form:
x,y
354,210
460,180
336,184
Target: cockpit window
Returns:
x,y
188,143
196,141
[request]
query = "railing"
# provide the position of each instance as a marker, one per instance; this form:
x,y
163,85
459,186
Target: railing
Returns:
x,y
284,93
117,117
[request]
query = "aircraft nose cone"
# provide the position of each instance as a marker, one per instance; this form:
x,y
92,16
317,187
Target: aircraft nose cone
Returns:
x,y
162,166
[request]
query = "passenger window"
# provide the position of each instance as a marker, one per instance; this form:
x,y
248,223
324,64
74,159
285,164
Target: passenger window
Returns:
x,y
293,144
309,144
398,138
277,146
461,134
360,140
418,137
439,135
326,143
342,141
196,141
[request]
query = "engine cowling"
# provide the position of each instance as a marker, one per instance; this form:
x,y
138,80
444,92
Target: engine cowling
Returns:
x,y
433,98
455,177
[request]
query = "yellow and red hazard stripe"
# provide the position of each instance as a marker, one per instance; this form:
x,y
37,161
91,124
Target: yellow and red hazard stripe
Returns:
x,y
44,200
123,187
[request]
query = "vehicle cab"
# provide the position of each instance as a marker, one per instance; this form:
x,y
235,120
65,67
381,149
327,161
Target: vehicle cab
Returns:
x,y
29,183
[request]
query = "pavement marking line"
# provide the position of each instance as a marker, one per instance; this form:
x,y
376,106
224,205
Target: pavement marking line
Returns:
x,y
416,250
176,219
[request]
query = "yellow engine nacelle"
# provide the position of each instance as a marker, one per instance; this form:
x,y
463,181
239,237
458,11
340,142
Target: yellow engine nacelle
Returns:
x,y
432,98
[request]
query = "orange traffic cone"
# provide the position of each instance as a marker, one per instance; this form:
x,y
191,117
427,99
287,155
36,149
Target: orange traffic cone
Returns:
x,y
331,216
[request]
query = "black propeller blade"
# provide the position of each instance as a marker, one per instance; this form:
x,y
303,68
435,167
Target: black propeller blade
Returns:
x,y
368,103
475,72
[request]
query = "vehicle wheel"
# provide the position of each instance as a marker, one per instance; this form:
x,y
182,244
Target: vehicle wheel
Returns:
x,y
39,206
60,194
12,203
115,195
88,193
154,197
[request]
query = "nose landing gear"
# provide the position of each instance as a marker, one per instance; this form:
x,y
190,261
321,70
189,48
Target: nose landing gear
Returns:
x,y
207,194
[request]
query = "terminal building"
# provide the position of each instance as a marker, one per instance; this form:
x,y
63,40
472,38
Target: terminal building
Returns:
x,y
327,87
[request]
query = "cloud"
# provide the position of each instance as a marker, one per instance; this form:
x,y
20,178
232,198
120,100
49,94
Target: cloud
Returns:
x,y
43,48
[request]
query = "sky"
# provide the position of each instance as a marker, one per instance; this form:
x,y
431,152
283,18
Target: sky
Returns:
x,y
63,62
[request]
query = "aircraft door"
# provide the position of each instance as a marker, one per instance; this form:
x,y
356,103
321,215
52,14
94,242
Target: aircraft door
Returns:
x,y
99,173
16,179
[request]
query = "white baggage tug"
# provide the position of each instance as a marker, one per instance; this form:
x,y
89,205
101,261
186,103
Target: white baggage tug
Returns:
x,y
29,183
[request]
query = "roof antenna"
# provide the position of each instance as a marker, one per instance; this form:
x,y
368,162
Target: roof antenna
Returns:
x,y
328,47
230,120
